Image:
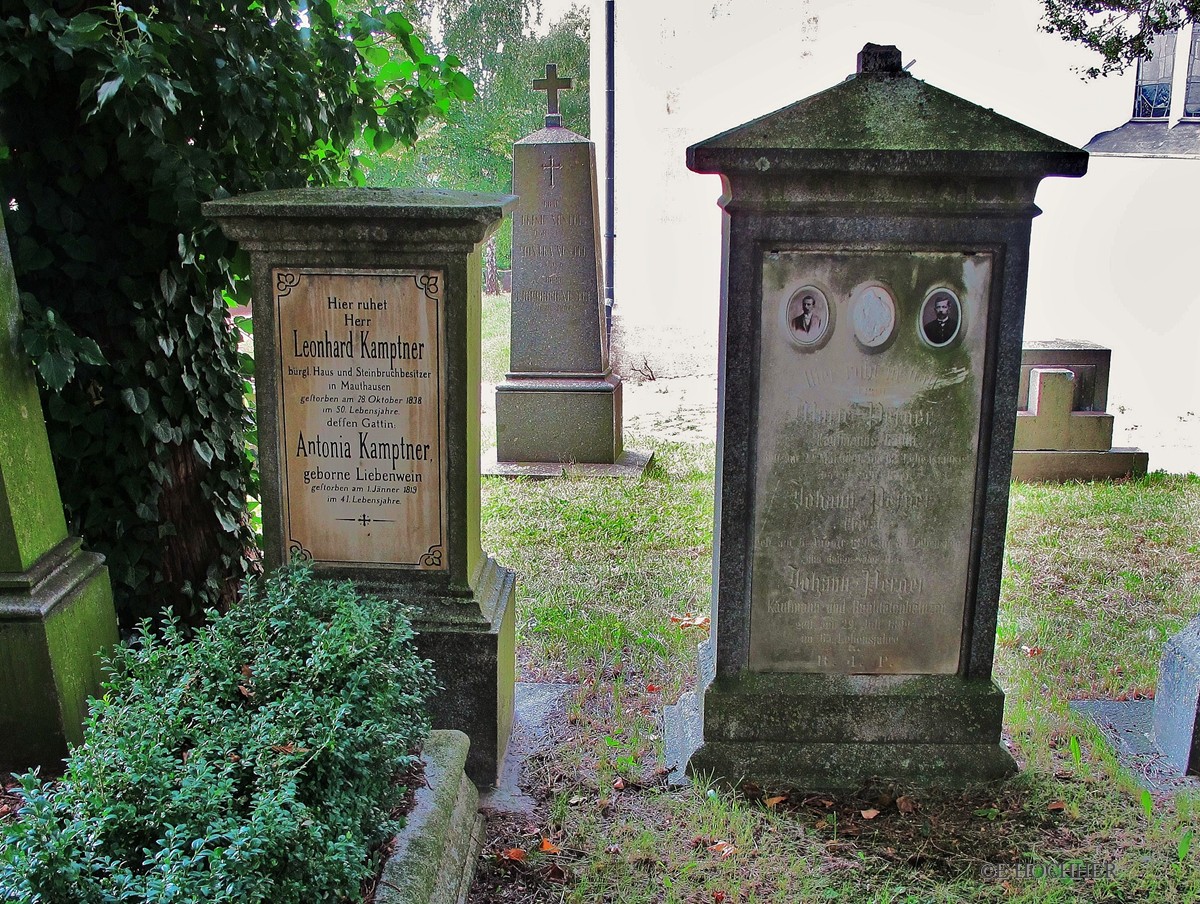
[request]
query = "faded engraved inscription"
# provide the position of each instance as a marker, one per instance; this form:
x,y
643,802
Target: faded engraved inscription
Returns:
x,y
865,478
362,423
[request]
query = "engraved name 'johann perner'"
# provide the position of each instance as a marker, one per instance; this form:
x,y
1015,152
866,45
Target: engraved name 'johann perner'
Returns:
x,y
362,427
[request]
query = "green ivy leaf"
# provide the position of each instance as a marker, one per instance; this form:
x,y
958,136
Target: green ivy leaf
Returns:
x,y
56,369
204,450
137,399
108,90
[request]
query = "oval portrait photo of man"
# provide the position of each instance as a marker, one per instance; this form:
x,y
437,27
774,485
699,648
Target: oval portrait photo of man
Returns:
x,y
941,318
807,316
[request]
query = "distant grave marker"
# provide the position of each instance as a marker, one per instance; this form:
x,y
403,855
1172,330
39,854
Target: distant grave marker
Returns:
x,y
1063,429
560,402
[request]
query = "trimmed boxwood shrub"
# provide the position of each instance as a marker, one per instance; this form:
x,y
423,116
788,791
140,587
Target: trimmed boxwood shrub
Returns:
x,y
254,762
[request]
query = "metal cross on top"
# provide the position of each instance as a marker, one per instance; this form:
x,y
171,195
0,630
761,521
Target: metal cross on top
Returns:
x,y
552,84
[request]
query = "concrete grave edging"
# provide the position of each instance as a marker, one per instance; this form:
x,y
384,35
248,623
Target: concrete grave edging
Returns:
x,y
435,855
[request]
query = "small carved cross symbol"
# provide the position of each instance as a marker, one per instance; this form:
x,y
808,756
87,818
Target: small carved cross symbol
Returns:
x,y
364,520
550,167
552,84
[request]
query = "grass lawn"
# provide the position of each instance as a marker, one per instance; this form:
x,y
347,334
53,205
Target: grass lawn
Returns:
x,y
1097,577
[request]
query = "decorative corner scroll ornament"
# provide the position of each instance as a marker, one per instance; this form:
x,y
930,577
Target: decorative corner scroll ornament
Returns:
x,y
297,550
808,318
433,558
428,283
285,281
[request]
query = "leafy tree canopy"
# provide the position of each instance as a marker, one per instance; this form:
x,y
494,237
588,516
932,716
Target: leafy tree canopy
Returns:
x,y
472,148
116,122
1121,31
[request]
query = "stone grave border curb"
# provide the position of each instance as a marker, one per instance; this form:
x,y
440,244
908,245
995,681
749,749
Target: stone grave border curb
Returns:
x,y
435,854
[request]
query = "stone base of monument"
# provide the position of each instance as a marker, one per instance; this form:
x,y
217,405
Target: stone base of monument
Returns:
x,y
1060,467
837,732
434,856
55,617
558,419
474,640
630,464
1158,740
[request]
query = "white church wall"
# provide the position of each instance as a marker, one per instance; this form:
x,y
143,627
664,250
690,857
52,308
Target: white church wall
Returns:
x,y
1106,248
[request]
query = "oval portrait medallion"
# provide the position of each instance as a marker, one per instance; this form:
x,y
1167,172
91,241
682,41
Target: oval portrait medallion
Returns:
x,y
807,317
941,317
874,314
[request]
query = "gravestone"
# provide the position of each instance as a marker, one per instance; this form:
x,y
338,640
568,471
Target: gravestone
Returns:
x,y
876,239
56,607
560,401
1158,740
1177,700
1063,429
1090,363
367,344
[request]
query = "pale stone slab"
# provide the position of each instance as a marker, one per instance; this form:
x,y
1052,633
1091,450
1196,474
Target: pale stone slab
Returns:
x,y
1050,423
363,435
866,483
1059,467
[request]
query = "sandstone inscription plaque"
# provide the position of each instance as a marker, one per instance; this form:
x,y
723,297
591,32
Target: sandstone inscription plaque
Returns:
x,y
865,488
362,416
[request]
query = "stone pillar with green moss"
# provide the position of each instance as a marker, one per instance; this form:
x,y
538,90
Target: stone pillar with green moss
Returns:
x,y
367,307
876,243
56,607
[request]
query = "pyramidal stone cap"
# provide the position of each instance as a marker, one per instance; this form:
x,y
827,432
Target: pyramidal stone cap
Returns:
x,y
881,119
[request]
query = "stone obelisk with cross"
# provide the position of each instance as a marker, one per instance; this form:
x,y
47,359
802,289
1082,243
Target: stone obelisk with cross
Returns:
x,y
560,402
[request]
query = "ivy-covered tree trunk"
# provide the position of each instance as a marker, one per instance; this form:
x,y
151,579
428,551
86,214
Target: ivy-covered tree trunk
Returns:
x,y
116,123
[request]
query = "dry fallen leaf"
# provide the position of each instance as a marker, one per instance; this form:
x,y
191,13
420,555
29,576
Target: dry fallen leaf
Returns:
x,y
724,848
1033,651
906,804
246,671
771,802
245,691
284,748
718,897
869,814
576,800
1056,806
555,873
690,620
515,855
653,688
613,849
549,847
619,784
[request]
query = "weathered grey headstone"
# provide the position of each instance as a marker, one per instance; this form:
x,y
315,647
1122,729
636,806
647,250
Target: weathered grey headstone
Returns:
x,y
560,401
56,606
876,238
366,339
1063,430
1158,741
1177,700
